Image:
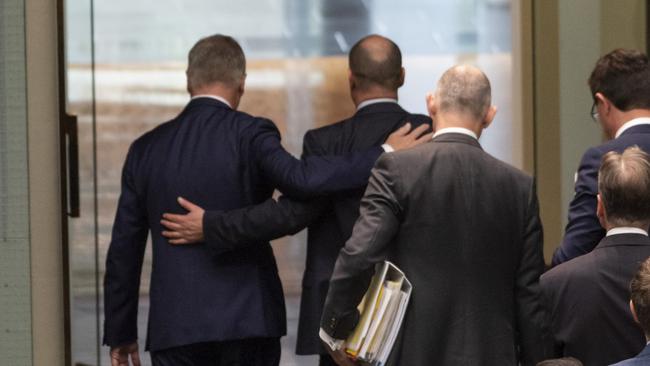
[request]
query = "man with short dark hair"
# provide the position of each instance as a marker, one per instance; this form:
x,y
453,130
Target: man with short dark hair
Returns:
x,y
640,308
588,296
464,228
207,309
620,87
375,75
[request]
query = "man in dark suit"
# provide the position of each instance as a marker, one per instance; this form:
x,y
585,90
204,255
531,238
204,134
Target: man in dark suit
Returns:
x,y
207,309
640,308
620,86
588,296
375,75
464,227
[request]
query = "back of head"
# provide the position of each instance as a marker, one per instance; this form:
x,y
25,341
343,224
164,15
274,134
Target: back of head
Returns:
x,y
376,61
623,76
624,186
640,295
215,59
464,90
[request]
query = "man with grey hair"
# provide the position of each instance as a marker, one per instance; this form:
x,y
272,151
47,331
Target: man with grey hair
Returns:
x,y
588,296
208,309
465,229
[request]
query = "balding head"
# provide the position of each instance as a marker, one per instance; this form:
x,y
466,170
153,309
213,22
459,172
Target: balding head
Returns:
x,y
464,90
376,61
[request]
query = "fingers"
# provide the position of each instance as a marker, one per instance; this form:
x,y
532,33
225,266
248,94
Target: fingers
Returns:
x,y
187,204
172,234
424,138
171,225
419,130
179,241
135,358
403,130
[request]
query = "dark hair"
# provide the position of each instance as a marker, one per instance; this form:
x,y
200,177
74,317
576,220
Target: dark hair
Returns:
x,y
624,186
464,89
376,61
565,361
640,295
623,76
216,58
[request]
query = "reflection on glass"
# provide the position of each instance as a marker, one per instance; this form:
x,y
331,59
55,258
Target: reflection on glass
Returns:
x,y
297,76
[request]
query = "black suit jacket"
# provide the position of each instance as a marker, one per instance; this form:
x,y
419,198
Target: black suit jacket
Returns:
x,y
222,159
588,300
330,218
583,230
464,228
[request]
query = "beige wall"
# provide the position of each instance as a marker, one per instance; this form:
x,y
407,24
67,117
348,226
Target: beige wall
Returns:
x,y
43,147
565,51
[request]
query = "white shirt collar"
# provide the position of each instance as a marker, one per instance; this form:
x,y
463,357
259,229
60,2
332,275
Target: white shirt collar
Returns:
x,y
632,123
462,130
216,97
626,230
368,102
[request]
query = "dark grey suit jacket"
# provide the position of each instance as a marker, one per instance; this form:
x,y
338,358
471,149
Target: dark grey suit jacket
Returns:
x,y
464,227
588,299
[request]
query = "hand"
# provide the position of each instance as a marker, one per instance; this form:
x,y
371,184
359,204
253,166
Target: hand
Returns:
x,y
340,357
184,229
120,355
403,139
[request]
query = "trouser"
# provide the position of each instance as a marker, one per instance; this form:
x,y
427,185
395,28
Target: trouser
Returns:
x,y
326,360
245,352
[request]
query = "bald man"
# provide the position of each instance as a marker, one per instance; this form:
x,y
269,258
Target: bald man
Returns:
x,y
465,229
375,75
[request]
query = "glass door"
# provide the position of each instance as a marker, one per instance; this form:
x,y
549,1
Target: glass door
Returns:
x,y
125,67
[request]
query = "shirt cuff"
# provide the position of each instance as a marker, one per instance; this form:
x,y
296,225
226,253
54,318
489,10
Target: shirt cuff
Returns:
x,y
387,148
332,343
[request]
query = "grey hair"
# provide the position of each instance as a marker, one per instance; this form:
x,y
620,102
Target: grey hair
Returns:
x,y
464,89
624,186
216,58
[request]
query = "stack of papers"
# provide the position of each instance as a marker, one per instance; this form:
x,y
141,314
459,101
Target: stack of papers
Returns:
x,y
382,311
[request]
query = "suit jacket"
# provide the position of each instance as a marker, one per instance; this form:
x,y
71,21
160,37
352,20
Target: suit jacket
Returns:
x,y
222,159
588,300
330,218
465,229
642,359
583,230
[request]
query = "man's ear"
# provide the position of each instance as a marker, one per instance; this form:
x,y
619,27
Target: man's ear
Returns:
x,y
604,102
633,310
432,108
351,80
600,211
489,117
242,86
402,75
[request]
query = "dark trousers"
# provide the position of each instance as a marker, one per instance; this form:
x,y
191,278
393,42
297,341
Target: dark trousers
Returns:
x,y
245,352
326,360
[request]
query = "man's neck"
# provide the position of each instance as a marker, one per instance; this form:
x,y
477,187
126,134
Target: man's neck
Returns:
x,y
449,120
360,97
229,94
626,116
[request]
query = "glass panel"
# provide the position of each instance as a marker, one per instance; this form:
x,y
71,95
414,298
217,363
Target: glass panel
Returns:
x,y
297,76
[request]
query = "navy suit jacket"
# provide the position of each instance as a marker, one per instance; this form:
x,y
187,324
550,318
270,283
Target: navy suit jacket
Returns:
x,y
588,299
583,231
330,218
222,159
642,359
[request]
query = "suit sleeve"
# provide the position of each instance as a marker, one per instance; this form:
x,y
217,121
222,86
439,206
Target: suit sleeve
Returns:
x,y
124,262
583,230
314,175
379,222
534,337
231,230
269,220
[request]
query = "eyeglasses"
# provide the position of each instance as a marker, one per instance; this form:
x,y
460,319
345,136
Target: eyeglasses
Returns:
x,y
594,111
